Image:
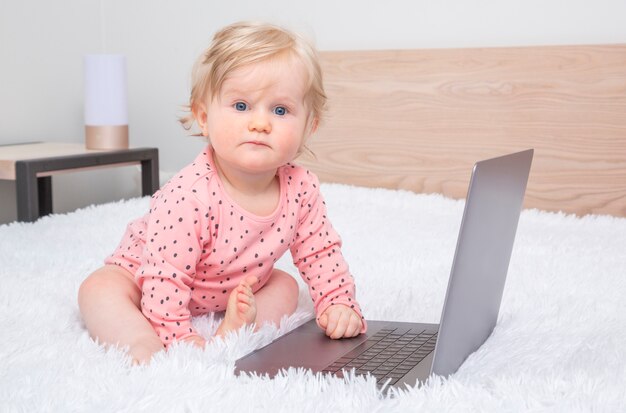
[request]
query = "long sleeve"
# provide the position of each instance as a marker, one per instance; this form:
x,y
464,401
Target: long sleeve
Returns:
x,y
174,243
317,254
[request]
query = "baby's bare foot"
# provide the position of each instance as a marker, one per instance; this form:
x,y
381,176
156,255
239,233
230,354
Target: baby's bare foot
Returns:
x,y
142,351
241,307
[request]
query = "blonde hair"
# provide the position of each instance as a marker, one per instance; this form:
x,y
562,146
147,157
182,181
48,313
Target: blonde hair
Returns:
x,y
245,43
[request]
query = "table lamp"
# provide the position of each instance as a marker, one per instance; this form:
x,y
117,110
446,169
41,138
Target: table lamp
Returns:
x,y
106,108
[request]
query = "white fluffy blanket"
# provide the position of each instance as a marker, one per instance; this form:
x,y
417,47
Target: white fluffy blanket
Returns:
x,y
560,342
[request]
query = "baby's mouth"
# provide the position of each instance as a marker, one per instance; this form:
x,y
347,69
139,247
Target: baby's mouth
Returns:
x,y
257,143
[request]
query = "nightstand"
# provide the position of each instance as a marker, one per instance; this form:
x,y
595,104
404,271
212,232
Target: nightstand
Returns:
x,y
32,166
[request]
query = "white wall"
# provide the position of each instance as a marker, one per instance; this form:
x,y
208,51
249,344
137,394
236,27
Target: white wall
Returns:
x,y
42,44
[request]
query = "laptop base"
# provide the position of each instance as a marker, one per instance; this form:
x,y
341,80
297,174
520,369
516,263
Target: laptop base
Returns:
x,y
308,347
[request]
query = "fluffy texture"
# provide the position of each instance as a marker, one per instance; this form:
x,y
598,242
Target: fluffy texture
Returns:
x,y
558,345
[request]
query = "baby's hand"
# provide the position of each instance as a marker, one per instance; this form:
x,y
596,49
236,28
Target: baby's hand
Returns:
x,y
340,321
195,340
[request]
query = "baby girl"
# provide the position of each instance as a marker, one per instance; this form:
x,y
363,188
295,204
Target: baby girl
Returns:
x,y
215,230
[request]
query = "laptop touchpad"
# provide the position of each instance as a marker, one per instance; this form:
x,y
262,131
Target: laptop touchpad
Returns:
x,y
306,346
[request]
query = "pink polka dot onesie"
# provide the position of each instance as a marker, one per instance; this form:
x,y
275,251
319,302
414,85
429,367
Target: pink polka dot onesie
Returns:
x,y
195,245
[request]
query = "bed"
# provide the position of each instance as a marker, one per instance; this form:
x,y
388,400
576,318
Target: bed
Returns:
x,y
394,156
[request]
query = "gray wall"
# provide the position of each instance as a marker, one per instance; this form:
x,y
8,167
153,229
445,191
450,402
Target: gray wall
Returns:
x,y
42,44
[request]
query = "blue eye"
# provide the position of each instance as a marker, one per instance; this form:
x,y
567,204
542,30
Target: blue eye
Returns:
x,y
280,110
240,106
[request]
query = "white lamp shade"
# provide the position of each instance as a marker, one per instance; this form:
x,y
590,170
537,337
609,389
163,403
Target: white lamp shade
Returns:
x,y
105,90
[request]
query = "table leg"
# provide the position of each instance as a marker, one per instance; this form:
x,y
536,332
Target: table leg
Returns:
x,y
150,174
44,189
27,192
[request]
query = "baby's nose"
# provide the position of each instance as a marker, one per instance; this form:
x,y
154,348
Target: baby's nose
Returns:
x,y
259,122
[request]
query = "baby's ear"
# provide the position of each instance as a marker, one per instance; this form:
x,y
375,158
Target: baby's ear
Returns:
x,y
314,125
200,115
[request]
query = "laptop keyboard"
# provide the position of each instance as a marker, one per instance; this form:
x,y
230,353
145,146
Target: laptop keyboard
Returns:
x,y
388,354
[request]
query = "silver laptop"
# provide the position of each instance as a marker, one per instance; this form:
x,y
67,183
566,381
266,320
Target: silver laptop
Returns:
x,y
402,353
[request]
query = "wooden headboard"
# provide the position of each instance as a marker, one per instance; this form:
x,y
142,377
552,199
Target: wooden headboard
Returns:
x,y
419,119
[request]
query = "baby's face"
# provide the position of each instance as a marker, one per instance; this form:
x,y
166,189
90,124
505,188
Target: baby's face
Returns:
x,y
260,120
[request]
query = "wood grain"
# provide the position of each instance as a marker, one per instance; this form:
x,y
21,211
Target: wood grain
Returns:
x,y
419,119
10,154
